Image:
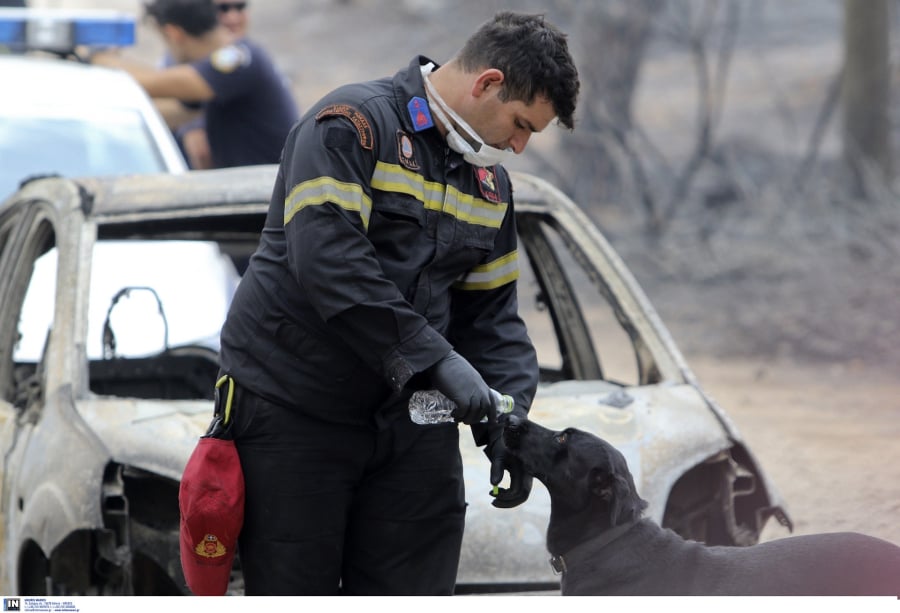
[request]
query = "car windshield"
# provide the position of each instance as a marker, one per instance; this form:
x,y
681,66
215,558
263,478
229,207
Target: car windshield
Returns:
x,y
70,143
153,293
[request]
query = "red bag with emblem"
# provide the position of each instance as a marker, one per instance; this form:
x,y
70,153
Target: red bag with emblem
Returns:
x,y
211,501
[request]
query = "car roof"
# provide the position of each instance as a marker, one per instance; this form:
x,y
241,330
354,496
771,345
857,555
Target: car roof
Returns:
x,y
166,196
246,189
66,83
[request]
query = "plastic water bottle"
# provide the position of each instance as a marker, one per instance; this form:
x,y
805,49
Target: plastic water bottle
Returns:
x,y
432,407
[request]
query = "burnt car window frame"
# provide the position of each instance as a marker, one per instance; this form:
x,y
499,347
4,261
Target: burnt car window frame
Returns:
x,y
33,232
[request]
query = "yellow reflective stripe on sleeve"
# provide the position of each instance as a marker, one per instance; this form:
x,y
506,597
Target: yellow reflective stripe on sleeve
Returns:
x,y
348,196
435,196
491,275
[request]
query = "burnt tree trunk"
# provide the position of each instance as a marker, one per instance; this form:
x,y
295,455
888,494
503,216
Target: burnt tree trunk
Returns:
x,y
611,39
865,92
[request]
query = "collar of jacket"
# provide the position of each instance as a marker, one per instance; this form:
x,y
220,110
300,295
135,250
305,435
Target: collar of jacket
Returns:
x,y
561,563
407,85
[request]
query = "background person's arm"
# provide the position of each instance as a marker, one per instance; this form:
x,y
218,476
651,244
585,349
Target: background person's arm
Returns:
x,y
181,81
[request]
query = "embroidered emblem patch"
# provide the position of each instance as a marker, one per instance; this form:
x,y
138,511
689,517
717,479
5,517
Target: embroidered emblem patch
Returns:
x,y
227,59
487,183
405,151
359,121
419,113
210,547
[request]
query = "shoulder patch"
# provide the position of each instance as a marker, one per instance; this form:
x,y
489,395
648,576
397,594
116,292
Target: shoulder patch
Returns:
x,y
487,184
405,151
359,121
227,59
419,113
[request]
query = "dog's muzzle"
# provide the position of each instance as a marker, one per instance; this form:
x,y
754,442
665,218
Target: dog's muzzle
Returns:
x,y
513,428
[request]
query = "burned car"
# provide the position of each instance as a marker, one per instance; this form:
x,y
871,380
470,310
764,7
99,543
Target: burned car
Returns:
x,y
112,293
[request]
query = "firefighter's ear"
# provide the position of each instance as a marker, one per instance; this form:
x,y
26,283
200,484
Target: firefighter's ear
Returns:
x,y
489,80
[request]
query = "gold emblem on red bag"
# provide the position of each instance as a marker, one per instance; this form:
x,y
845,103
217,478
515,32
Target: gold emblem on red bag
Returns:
x,y
210,547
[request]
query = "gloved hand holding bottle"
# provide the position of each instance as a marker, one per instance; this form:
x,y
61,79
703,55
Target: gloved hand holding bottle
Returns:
x,y
458,380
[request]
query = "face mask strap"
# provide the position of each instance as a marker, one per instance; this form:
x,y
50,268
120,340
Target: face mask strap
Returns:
x,y
456,142
485,155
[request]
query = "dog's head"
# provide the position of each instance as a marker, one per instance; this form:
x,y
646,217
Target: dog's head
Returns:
x,y
583,473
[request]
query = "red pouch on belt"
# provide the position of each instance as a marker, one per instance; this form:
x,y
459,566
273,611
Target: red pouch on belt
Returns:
x,y
211,500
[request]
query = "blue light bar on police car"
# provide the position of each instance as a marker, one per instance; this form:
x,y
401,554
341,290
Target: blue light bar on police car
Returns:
x,y
63,30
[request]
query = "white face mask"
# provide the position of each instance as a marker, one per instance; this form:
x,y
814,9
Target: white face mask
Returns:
x,y
484,155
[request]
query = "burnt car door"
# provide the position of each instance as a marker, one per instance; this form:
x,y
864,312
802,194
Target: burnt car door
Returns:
x,y
46,446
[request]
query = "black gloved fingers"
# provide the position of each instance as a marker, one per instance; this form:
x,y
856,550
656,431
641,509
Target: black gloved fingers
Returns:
x,y
481,405
473,411
520,482
519,488
507,498
458,380
498,466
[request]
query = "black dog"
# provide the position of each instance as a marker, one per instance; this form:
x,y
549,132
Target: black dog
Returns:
x,y
602,546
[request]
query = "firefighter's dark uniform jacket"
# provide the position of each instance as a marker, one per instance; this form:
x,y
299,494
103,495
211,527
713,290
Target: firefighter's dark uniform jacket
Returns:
x,y
382,250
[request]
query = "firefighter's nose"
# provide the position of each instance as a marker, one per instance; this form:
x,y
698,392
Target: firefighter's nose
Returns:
x,y
518,142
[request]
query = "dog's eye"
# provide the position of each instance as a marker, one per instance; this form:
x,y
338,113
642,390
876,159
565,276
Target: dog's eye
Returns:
x,y
562,438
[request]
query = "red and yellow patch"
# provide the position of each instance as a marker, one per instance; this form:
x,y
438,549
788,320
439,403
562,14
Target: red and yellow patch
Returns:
x,y
487,184
210,547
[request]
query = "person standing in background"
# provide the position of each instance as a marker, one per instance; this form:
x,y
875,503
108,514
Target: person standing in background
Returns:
x,y
247,106
191,136
234,16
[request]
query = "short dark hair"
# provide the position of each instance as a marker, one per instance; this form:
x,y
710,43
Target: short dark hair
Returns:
x,y
196,17
534,57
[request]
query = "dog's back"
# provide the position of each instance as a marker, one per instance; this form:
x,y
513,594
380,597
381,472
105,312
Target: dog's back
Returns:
x,y
598,539
651,561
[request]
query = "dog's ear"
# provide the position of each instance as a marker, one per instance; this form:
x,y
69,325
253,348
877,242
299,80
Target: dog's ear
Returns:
x,y
620,495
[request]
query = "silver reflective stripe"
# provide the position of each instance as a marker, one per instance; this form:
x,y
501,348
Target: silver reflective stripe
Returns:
x,y
349,196
492,275
395,179
438,197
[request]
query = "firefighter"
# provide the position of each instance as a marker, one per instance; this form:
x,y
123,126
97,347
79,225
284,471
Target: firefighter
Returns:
x,y
388,263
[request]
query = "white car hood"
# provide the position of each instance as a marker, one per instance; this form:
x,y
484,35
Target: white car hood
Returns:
x,y
663,430
154,435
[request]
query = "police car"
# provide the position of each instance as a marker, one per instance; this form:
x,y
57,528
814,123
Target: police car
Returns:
x,y
59,116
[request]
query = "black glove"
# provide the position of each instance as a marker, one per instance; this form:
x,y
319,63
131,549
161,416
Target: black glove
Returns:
x,y
519,481
458,380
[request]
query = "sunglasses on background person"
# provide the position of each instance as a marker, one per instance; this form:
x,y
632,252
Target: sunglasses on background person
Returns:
x,y
225,7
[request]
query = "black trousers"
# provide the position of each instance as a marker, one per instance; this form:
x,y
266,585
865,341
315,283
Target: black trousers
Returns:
x,y
332,509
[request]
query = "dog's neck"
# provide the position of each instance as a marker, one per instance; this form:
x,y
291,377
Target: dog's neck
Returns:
x,y
569,527
589,549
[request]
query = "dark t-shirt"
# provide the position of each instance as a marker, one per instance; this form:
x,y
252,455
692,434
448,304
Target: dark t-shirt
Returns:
x,y
253,109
